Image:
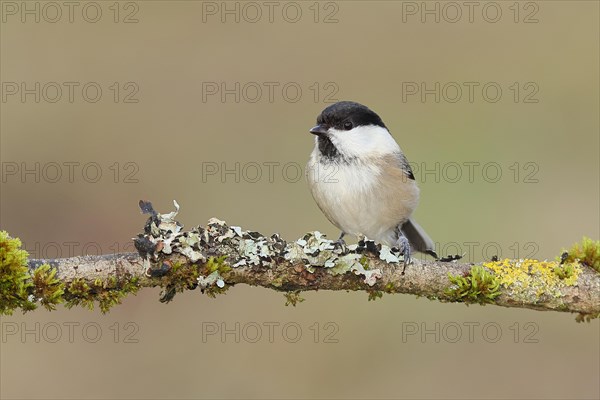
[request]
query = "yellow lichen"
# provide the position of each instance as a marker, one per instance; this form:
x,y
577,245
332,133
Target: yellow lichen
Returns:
x,y
542,277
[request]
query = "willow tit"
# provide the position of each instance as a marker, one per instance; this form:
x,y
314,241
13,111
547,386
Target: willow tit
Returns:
x,y
362,181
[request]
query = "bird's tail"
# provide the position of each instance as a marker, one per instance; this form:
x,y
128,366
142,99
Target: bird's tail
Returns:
x,y
417,238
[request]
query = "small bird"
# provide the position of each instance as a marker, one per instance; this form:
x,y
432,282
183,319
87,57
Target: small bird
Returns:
x,y
362,181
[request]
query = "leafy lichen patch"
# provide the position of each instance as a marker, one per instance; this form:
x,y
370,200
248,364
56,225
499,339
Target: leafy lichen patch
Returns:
x,y
163,236
315,250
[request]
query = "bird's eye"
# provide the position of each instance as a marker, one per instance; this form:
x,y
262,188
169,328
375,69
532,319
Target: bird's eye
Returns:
x,y
347,125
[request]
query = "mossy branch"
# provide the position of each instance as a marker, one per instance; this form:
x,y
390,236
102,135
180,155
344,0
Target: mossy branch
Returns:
x,y
216,257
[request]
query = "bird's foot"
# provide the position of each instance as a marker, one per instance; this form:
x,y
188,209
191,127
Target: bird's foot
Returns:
x,y
340,244
404,247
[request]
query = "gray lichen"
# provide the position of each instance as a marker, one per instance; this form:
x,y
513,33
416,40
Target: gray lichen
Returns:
x,y
316,251
164,236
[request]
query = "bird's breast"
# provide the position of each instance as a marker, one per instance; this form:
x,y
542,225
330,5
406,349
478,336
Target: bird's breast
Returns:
x,y
363,197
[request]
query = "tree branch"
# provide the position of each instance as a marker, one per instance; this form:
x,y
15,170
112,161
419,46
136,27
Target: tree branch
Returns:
x,y
218,256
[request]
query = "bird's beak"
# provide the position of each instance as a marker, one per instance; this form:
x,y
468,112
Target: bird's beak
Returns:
x,y
319,130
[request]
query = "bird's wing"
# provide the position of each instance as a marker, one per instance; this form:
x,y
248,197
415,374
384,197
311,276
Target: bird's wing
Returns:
x,y
415,234
405,166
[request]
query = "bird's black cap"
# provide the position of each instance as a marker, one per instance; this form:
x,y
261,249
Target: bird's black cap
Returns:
x,y
346,115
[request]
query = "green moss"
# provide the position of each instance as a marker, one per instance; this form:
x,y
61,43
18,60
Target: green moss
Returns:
x,y
375,294
293,298
79,293
213,291
587,252
15,283
21,289
564,271
217,264
109,298
112,291
185,276
479,286
586,317
277,282
131,285
47,289
107,293
364,261
182,276
390,288
378,294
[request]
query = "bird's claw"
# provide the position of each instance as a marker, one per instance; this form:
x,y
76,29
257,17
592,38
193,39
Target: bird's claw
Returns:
x,y
340,244
404,247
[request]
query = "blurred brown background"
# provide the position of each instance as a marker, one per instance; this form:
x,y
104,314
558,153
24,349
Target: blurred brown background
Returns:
x,y
156,131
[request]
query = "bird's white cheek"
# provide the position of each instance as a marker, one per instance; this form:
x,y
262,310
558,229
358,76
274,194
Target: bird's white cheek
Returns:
x,y
364,141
